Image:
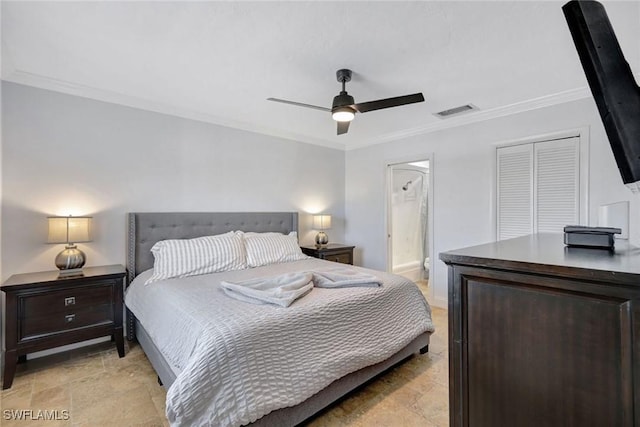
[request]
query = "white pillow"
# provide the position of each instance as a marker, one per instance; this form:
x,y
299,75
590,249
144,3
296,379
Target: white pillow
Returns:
x,y
202,255
272,248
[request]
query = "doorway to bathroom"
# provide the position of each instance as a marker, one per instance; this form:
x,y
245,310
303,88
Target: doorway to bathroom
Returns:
x,y
409,220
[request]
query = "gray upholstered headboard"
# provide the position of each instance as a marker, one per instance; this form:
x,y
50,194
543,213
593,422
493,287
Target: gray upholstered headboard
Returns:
x,y
147,228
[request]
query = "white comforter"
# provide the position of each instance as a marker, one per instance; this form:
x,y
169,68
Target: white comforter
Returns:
x,y
237,361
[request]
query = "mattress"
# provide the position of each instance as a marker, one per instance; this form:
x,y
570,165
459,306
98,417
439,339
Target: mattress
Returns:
x,y
236,362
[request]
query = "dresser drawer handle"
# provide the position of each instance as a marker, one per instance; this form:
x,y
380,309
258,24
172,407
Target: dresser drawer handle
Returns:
x,y
69,301
69,318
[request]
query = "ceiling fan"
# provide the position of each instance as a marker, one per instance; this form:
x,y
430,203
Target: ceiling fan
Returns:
x,y
344,108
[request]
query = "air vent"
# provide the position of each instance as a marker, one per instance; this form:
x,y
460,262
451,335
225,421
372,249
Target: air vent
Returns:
x,y
456,111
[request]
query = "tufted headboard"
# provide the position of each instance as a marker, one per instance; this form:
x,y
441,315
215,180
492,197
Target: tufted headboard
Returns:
x,y
147,228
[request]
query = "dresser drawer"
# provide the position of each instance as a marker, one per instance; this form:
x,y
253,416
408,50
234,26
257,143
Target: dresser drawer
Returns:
x,y
344,258
65,300
61,321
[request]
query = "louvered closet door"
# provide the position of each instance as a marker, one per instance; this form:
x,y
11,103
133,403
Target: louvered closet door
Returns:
x,y
556,184
515,191
538,187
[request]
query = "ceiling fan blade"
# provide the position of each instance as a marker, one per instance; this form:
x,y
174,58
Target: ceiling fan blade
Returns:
x,y
397,101
343,127
299,104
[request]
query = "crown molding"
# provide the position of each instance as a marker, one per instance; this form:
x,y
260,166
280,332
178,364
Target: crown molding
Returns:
x,y
13,75
57,85
482,115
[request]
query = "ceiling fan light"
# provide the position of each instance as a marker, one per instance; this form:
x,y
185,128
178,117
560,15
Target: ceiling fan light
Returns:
x,y
343,114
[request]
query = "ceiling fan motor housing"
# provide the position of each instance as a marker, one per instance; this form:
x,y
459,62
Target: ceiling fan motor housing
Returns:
x,y
342,100
342,109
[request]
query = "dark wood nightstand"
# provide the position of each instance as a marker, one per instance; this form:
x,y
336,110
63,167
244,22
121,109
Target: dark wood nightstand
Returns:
x,y
45,310
332,252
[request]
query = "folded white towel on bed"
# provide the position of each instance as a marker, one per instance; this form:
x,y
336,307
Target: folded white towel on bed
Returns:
x,y
344,278
281,290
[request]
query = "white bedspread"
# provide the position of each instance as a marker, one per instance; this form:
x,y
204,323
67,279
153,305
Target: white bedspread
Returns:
x,y
236,362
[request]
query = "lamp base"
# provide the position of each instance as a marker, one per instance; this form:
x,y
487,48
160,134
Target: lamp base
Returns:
x,y
71,272
71,258
322,239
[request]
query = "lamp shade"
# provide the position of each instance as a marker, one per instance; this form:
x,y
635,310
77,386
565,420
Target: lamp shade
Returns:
x,y
322,222
69,229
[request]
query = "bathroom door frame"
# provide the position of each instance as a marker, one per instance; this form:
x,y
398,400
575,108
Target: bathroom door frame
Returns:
x,y
389,164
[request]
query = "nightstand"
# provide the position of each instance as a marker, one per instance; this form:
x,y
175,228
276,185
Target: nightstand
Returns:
x,y
45,310
332,252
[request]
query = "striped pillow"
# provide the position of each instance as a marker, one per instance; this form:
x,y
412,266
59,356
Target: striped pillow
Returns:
x,y
202,255
272,248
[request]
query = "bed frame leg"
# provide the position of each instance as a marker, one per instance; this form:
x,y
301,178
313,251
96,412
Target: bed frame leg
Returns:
x,y
424,349
159,380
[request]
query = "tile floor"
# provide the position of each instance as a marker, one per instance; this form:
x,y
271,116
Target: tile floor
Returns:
x,y
96,388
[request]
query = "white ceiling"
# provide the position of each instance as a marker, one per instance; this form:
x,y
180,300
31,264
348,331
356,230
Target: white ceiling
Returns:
x,y
219,61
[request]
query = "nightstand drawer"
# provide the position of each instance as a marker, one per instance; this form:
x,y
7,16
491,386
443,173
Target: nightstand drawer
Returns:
x,y
335,252
344,258
65,300
74,318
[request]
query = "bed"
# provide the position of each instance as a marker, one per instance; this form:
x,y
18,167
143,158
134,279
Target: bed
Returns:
x,y
176,369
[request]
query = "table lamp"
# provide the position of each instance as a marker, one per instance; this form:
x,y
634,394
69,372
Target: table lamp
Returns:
x,y
322,222
69,230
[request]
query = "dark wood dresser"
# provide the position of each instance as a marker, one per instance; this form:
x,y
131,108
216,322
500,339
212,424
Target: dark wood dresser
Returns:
x,y
332,252
541,334
46,310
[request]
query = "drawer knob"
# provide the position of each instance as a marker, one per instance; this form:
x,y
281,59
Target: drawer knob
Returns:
x,y
69,318
69,301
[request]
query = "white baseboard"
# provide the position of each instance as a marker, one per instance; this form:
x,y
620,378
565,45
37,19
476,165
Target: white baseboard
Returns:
x,y
440,303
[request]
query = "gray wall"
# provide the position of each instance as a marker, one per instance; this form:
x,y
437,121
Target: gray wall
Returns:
x,y
63,154
463,169
68,155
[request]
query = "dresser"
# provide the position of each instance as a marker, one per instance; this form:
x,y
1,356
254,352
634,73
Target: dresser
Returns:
x,y
335,252
46,310
541,334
